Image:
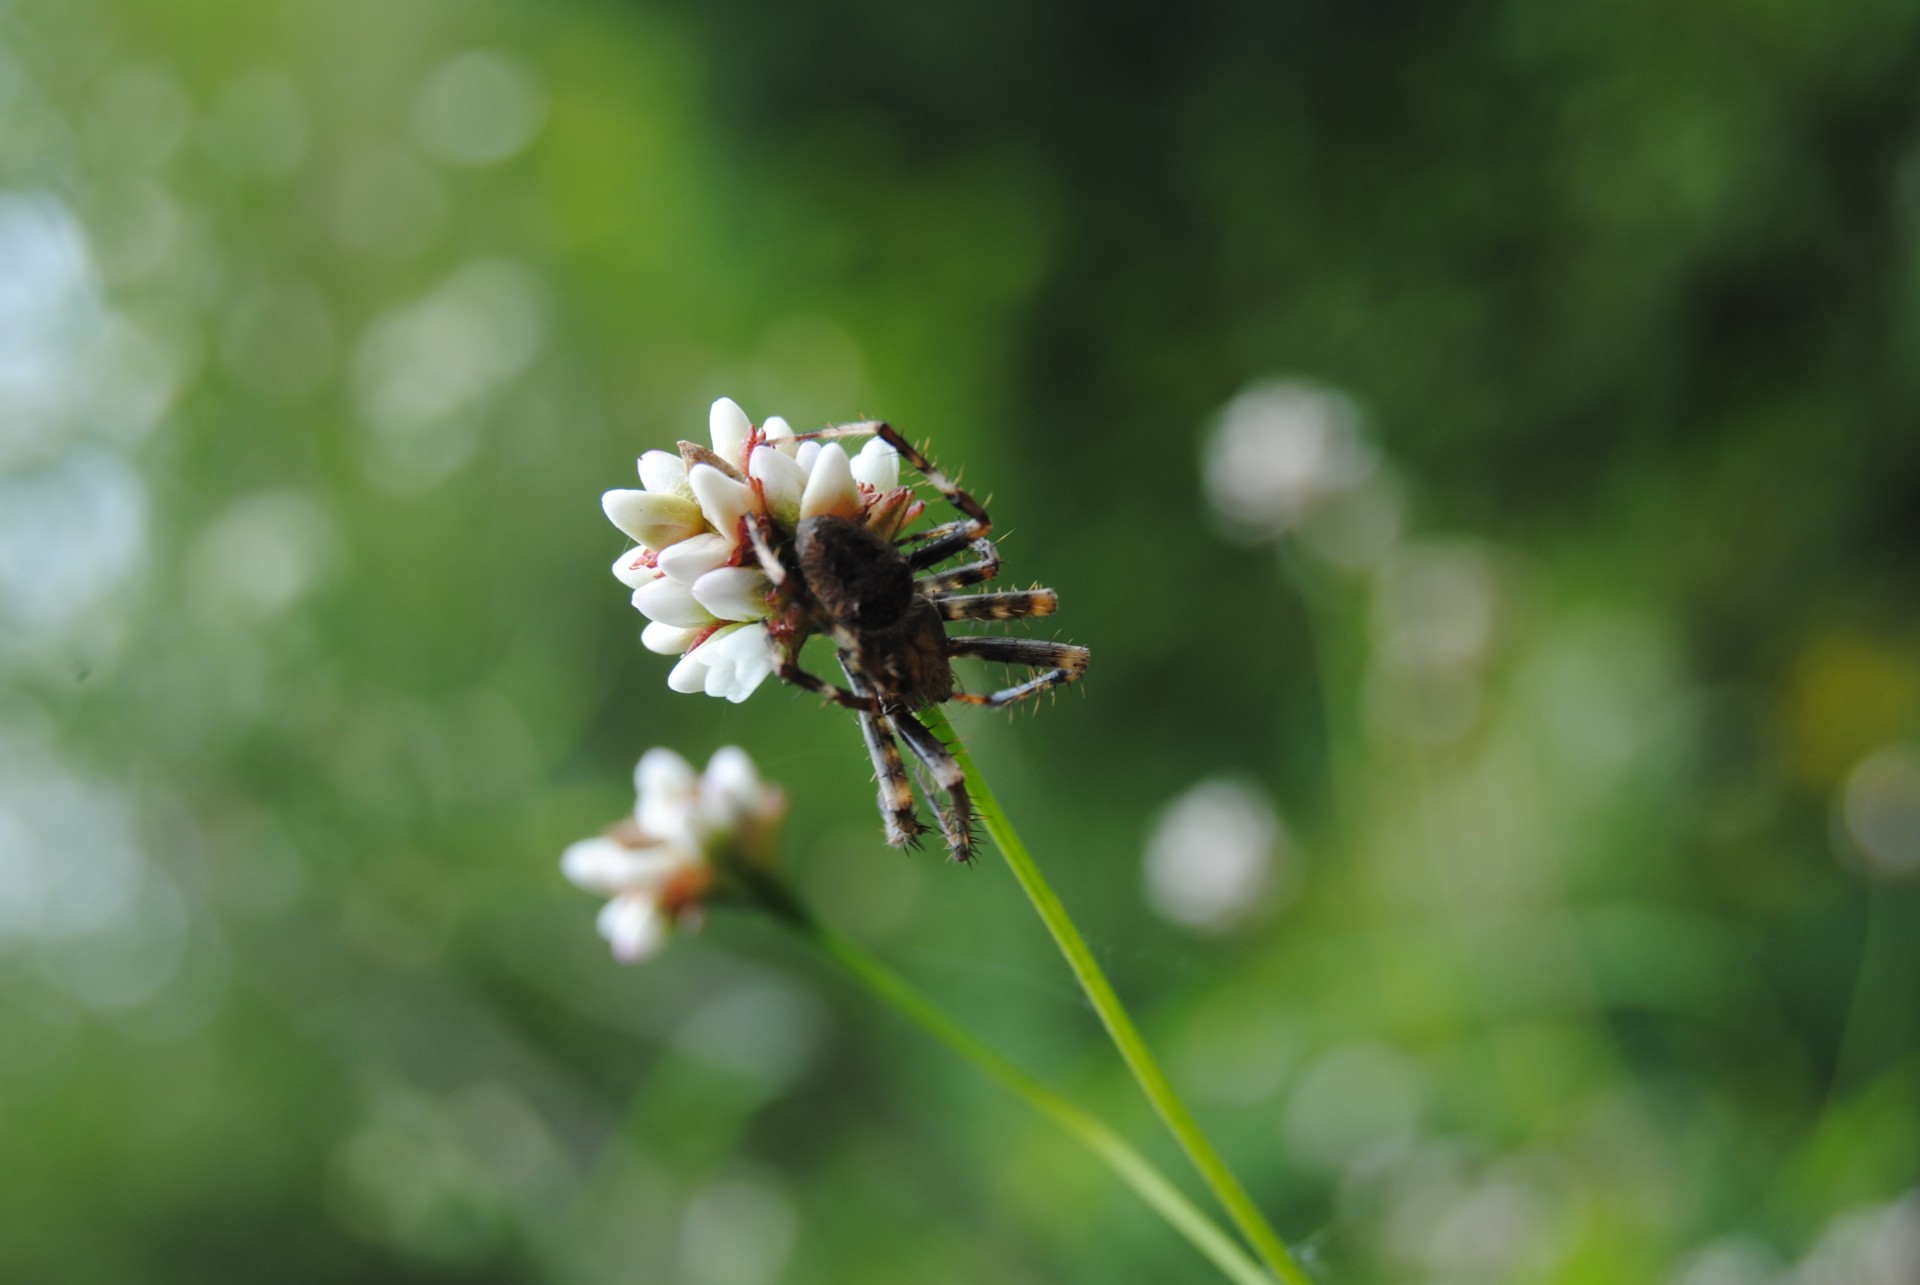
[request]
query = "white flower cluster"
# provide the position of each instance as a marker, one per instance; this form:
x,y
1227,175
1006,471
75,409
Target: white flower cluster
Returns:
x,y
695,576
685,835
1218,855
1284,450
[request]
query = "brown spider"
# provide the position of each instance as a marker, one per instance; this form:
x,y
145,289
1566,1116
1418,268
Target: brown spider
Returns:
x,y
886,608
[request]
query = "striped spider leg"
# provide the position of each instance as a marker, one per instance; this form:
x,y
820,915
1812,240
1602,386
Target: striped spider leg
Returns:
x,y
903,824
956,819
1063,663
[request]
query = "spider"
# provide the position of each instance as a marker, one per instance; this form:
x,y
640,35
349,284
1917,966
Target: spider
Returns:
x,y
886,607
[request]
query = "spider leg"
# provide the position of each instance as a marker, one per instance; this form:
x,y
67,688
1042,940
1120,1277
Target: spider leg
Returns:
x,y
865,428
940,482
941,542
957,497
1063,662
789,670
956,819
939,547
763,549
966,573
933,532
896,795
997,606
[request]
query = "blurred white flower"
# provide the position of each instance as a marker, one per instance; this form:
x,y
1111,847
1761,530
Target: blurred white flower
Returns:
x,y
80,386
1446,1213
740,1231
1283,451
1359,528
480,108
1214,855
1353,1102
1436,617
1880,805
1871,1246
1732,1261
1437,603
695,574
687,835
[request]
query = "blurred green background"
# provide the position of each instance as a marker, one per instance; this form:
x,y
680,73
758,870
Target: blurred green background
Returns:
x,y
1540,899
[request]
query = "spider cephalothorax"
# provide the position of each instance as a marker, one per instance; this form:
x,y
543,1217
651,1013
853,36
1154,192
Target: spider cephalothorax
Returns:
x,y
770,538
885,607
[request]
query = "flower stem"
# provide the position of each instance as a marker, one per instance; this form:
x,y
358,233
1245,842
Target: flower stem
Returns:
x,y
1127,1164
1342,756
1125,1035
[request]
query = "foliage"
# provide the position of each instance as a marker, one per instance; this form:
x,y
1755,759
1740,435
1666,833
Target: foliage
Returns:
x,y
1588,953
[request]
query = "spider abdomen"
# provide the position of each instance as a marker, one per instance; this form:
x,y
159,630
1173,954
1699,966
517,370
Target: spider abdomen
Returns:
x,y
857,578
908,662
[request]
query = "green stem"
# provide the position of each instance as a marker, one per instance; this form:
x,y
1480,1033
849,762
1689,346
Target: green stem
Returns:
x,y
1125,1035
1129,1165
1341,757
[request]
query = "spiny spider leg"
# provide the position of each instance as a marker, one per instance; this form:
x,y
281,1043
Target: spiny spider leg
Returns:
x,y
948,538
896,795
1015,605
787,667
959,536
865,428
940,482
934,532
968,573
1063,661
956,819
790,672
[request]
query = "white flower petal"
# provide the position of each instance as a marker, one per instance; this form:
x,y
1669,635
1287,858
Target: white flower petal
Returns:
x,y
809,452
749,653
634,926
633,572
830,487
690,675
782,481
734,593
606,866
779,434
731,428
592,863
730,789
729,662
719,678
748,677
667,640
878,465
723,500
664,473
668,794
671,603
654,520
690,559
662,772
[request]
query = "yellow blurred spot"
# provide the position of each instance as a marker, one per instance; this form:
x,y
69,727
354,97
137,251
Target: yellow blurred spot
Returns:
x,y
1846,693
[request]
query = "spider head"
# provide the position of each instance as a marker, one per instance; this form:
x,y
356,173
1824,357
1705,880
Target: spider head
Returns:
x,y
858,579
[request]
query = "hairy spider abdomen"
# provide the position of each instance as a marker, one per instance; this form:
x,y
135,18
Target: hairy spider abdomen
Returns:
x,y
908,663
858,579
